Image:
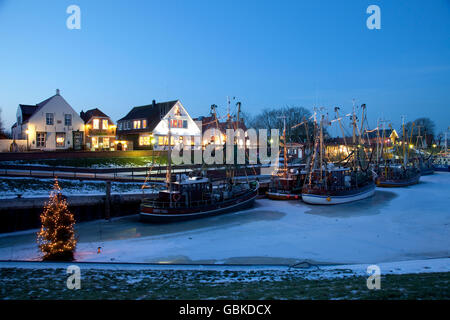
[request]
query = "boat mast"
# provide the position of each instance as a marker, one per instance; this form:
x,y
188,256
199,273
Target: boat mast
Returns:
x,y
378,141
169,163
354,134
284,145
404,142
321,147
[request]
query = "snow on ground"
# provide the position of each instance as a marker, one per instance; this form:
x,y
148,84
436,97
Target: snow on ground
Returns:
x,y
395,225
306,271
10,187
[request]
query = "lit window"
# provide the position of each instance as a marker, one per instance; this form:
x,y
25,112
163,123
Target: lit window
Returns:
x,y
105,124
137,124
96,124
144,140
161,141
144,123
106,142
94,142
60,138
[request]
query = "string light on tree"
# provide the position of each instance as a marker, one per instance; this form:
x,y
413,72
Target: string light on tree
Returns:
x,y
56,238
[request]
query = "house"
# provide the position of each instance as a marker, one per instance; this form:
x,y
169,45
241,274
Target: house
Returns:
x,y
100,130
218,128
295,150
49,125
147,127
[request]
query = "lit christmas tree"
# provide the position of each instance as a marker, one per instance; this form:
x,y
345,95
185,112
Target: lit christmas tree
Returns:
x,y
56,238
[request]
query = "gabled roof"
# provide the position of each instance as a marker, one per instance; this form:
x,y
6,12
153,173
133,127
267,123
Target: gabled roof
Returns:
x,y
86,116
152,112
29,110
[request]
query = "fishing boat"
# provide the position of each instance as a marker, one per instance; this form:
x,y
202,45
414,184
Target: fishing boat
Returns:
x,y
426,166
442,163
391,174
338,185
286,183
187,198
197,197
396,175
329,184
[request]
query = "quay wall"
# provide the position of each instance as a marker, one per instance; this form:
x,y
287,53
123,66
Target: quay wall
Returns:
x,y
24,213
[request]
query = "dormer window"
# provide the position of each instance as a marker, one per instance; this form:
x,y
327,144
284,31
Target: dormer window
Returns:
x,y
105,124
96,123
137,124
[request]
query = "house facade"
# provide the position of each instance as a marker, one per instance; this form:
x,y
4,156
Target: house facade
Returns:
x,y
147,127
49,125
100,131
218,129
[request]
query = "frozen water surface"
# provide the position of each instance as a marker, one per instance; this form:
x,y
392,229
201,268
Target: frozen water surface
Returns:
x,y
395,224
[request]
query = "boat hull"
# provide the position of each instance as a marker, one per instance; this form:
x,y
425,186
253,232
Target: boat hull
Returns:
x,y
426,172
398,183
442,168
363,193
155,215
283,196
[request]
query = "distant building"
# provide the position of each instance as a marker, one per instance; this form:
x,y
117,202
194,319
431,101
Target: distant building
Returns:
x,y
219,129
337,147
49,125
147,126
100,130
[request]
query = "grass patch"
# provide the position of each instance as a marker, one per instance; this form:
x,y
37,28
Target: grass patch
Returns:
x,y
188,284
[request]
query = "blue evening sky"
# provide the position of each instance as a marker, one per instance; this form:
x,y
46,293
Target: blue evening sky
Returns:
x,y
265,53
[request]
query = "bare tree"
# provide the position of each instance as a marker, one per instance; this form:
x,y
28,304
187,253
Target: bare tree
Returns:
x,y
2,129
270,119
427,127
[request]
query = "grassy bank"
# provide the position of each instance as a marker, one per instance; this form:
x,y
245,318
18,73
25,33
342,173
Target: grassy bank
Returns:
x,y
187,284
94,162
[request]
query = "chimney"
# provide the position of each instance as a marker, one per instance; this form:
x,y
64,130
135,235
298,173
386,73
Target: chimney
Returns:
x,y
57,92
153,103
